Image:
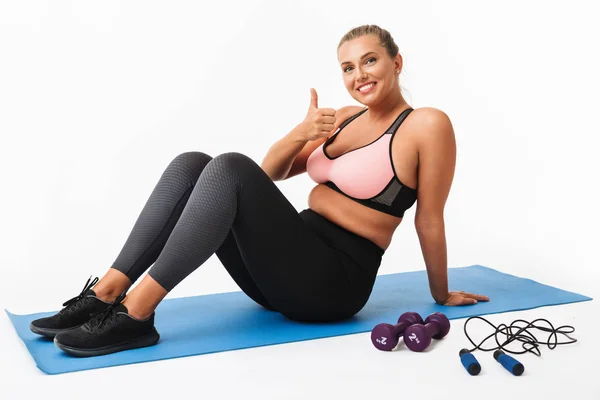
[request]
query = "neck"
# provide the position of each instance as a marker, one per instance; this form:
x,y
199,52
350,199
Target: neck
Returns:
x,y
392,104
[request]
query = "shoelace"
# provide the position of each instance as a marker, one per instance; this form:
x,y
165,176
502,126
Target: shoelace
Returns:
x,y
88,285
105,316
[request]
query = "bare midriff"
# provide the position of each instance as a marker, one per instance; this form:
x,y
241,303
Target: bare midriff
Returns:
x,y
345,212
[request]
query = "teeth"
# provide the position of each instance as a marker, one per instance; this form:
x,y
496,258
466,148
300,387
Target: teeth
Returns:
x,y
367,87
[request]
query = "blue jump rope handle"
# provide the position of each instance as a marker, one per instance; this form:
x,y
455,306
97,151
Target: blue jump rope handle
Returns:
x,y
469,361
512,365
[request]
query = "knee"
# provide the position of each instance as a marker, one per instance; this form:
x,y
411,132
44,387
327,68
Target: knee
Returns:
x,y
191,158
234,159
234,162
189,164
232,170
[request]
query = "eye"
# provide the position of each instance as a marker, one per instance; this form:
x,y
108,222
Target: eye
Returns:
x,y
371,59
347,69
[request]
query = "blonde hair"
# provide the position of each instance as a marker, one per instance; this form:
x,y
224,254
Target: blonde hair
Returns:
x,y
385,38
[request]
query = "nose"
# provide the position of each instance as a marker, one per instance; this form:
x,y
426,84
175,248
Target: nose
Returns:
x,y
361,75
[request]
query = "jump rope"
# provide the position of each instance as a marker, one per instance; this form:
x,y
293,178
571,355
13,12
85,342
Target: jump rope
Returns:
x,y
517,331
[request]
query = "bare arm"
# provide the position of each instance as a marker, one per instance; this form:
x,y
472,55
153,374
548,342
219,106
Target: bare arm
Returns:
x,y
437,161
281,155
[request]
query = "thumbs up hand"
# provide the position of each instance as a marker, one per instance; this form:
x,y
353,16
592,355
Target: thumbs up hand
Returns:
x,y
319,122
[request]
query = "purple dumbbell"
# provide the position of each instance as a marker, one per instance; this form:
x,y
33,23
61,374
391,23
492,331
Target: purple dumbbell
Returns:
x,y
418,337
385,336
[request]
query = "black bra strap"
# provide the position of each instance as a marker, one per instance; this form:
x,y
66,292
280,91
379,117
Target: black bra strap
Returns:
x,y
394,127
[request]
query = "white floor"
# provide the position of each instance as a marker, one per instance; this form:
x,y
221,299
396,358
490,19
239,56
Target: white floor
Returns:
x,y
346,367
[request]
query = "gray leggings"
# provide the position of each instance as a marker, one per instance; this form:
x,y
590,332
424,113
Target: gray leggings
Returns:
x,y
299,264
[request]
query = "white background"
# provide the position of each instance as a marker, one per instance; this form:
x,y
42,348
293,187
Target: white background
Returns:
x,y
96,98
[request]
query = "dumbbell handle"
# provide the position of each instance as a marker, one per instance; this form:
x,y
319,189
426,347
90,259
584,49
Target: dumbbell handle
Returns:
x,y
432,328
400,327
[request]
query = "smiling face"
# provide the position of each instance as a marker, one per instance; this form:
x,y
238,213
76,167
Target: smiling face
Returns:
x,y
370,74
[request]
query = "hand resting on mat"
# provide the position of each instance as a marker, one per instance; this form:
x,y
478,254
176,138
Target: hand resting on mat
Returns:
x,y
461,298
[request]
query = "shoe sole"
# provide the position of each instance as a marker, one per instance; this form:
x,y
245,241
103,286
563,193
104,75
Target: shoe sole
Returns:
x,y
143,341
49,332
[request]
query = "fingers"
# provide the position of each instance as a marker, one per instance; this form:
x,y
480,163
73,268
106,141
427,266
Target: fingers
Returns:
x,y
314,99
327,112
460,299
327,120
326,123
466,301
463,301
478,297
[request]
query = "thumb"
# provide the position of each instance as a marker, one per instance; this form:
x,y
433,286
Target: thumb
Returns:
x,y
314,99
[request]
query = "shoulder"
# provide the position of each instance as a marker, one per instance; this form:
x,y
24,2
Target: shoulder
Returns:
x,y
431,120
429,124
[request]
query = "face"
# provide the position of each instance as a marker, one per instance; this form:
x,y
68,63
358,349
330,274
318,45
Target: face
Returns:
x,y
370,74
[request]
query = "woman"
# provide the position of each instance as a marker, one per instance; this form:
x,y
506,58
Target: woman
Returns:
x,y
316,265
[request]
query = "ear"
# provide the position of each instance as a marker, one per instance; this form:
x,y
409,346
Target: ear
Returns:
x,y
398,62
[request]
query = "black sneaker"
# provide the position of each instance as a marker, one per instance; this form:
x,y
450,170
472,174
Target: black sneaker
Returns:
x,y
114,330
76,312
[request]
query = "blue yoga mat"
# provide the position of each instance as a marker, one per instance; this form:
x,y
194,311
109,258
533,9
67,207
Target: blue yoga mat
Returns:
x,y
229,321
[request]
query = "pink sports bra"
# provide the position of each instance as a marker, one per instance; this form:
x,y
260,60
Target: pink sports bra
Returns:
x,y
365,174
